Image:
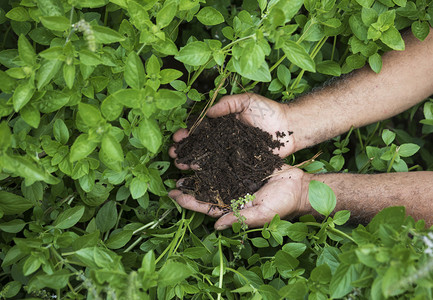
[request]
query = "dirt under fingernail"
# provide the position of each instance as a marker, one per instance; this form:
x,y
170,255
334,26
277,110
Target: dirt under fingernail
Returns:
x,y
234,159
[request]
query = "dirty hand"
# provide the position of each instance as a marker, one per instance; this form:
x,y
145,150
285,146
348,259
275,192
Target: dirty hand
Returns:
x,y
286,194
254,110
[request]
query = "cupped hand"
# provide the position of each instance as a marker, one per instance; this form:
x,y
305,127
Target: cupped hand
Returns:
x,y
285,193
254,110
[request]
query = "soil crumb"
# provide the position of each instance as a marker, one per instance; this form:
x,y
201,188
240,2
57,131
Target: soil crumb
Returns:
x,y
233,160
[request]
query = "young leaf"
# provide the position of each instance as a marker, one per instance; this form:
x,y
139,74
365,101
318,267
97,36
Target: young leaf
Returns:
x,y
134,71
56,23
60,131
341,217
5,136
18,13
105,35
138,187
89,114
31,115
321,197
47,71
112,148
407,150
420,30
22,95
194,54
119,239
82,147
149,134
375,62
167,99
284,75
69,75
388,136
329,67
166,14
26,51
209,16
297,55
392,38
69,217
173,273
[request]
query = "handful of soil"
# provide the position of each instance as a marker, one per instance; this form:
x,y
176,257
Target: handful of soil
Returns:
x,y
233,159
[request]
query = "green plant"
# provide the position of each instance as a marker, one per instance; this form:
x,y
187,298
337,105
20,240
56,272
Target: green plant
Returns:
x,y
91,91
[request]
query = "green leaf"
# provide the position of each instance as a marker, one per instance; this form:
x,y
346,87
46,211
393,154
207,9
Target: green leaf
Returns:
x,y
285,262
82,147
369,16
105,35
329,67
89,114
166,14
341,282
294,249
365,3
56,23
262,74
149,134
407,150
106,217
194,54
252,58
420,30
388,136
321,197
11,204
119,239
297,231
56,281
393,39
31,264
13,226
112,148
209,16
7,83
375,62
341,217
60,131
69,75
195,252
5,136
134,71
297,55
69,217
47,71
111,107
22,95
169,75
30,115
18,13
26,51
289,7
173,273
138,187
284,75
168,99
260,242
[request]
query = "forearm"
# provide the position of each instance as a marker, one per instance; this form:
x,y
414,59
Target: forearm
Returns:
x,y
365,97
364,195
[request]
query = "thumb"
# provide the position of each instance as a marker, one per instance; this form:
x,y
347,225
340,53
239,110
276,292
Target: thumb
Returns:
x,y
254,217
230,105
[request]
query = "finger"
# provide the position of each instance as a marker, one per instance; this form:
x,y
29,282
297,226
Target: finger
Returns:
x,y
189,202
180,135
230,105
181,166
254,217
172,152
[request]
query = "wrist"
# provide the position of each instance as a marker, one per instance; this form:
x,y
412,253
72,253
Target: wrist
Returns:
x,y
294,124
305,207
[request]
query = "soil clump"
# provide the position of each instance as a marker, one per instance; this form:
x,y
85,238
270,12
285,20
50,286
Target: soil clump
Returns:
x,y
233,158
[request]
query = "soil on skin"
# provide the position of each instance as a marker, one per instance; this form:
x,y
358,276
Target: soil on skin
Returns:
x,y
233,159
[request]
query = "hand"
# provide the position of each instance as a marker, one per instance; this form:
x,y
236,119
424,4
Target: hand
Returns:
x,y
286,194
254,110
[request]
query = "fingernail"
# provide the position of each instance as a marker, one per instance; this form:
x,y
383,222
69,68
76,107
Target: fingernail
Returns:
x,y
222,227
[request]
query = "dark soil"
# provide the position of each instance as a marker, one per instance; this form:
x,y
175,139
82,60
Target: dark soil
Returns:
x,y
233,158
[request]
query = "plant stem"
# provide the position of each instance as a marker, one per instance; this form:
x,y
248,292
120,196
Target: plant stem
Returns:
x,y
333,230
392,160
220,282
333,47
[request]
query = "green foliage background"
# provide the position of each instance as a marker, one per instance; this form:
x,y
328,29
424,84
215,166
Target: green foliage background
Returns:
x,y
91,91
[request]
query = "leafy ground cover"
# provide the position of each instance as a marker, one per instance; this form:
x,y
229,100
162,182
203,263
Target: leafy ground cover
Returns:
x,y
91,91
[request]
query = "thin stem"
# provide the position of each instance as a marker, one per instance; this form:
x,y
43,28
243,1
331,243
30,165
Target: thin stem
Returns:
x,y
358,133
237,41
220,281
333,230
392,160
141,49
333,47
